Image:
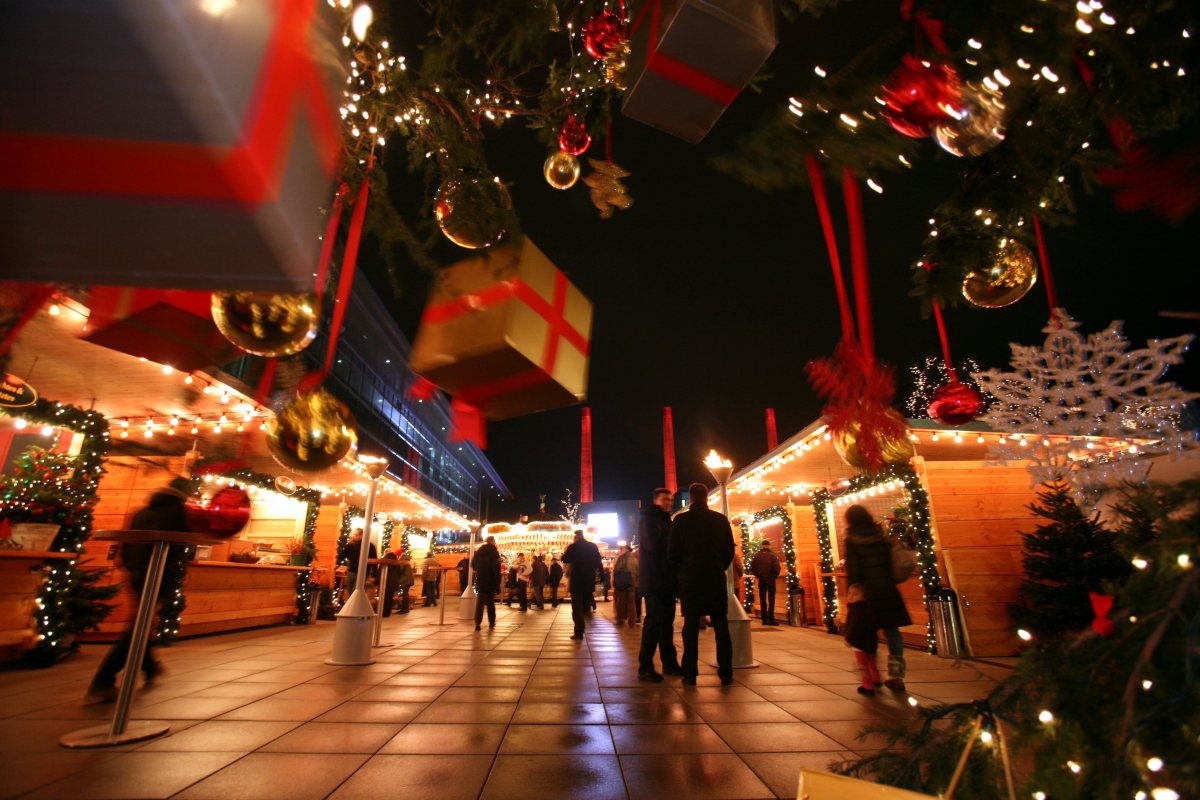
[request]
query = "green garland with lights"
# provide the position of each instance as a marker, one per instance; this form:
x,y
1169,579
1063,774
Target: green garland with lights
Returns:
x,y
348,513
919,528
789,547
389,526
56,624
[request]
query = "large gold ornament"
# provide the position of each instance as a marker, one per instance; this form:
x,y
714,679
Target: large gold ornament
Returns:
x,y
978,123
561,170
1009,278
607,192
471,212
616,64
312,433
265,324
892,451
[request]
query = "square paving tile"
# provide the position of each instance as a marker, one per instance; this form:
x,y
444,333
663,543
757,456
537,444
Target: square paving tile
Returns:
x,y
556,739
703,776
38,769
467,712
480,694
334,737
137,775
559,713
775,737
446,738
787,693
781,771
741,712
303,776
445,777
216,735
647,739
650,713
273,709
576,694
577,777
846,734
191,708
354,711
401,694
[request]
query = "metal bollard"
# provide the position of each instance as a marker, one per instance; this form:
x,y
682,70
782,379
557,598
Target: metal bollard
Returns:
x,y
947,624
797,615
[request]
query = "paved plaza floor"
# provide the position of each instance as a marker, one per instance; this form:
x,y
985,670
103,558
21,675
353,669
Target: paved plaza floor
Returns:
x,y
445,712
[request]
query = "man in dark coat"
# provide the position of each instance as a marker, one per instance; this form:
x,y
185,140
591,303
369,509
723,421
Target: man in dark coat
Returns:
x,y
463,567
352,553
556,576
700,550
765,568
656,582
487,581
583,560
869,565
163,513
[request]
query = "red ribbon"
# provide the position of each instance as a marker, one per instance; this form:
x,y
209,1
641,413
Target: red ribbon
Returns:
x,y
1101,605
816,179
250,172
930,26
345,282
678,71
1044,258
858,262
422,389
467,423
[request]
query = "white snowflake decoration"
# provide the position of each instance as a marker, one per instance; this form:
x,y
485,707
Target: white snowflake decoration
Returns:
x,y
1078,387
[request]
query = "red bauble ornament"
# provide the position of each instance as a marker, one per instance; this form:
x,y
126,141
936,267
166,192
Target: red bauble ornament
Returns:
x,y
956,403
919,94
601,34
222,515
574,138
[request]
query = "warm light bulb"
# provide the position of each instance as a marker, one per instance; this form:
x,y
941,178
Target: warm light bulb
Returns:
x,y
1045,717
1140,562
1154,764
361,21
1074,767
1024,634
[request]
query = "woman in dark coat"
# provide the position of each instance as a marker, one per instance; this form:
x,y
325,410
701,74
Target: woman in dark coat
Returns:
x,y
487,581
869,565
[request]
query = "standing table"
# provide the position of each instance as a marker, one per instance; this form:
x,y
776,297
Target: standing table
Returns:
x,y
122,731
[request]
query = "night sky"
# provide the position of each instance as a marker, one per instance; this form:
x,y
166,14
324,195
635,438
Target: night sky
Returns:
x,y
711,296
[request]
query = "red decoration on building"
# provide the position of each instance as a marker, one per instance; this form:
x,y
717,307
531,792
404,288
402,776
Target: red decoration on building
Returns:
x,y
224,514
672,482
585,458
956,403
772,432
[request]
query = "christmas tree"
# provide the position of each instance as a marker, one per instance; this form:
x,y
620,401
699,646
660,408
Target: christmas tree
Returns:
x,y
1112,711
1069,556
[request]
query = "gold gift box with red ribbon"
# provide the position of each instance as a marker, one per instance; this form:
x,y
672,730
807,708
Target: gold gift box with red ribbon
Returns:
x,y
506,332
691,58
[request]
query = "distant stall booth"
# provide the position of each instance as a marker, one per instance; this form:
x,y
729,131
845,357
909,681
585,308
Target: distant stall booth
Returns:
x,y
963,513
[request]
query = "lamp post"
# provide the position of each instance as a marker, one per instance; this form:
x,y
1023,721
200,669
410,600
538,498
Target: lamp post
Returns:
x,y
739,621
353,632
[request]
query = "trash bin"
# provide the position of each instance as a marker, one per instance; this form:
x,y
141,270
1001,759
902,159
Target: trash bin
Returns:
x,y
947,623
796,612
314,603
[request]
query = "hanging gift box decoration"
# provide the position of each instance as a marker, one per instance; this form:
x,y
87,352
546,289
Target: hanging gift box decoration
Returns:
x,y
182,145
507,332
167,326
691,58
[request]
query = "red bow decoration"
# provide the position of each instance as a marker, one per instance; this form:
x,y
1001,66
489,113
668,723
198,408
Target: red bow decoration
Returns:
x,y
1101,605
422,389
930,26
467,423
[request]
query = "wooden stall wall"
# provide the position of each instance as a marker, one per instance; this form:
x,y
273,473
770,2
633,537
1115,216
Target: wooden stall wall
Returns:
x,y
325,538
978,513
808,556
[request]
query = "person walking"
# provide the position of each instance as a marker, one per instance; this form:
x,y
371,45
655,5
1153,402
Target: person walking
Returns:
x,y
765,568
486,563
404,579
464,570
538,575
164,512
582,560
391,585
522,570
556,576
657,583
700,550
431,575
510,586
869,567
622,580
635,560
605,581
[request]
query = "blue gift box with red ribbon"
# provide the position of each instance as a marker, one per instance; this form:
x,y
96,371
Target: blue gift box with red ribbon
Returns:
x,y
168,144
691,58
505,332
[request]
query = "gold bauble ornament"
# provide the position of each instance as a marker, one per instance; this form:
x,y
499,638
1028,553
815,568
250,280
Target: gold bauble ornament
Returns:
x,y
893,451
266,324
561,170
313,432
1011,275
978,123
471,212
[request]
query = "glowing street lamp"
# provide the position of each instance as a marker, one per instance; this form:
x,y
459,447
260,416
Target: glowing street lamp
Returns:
x,y
355,622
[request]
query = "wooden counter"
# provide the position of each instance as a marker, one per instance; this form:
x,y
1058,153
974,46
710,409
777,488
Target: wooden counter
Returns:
x,y
220,596
21,575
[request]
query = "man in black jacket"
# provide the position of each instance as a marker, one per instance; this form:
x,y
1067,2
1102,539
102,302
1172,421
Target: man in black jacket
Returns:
x,y
486,563
583,560
656,582
163,513
700,550
556,576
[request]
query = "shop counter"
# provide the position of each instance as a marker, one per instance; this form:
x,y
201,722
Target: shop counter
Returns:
x,y
21,576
